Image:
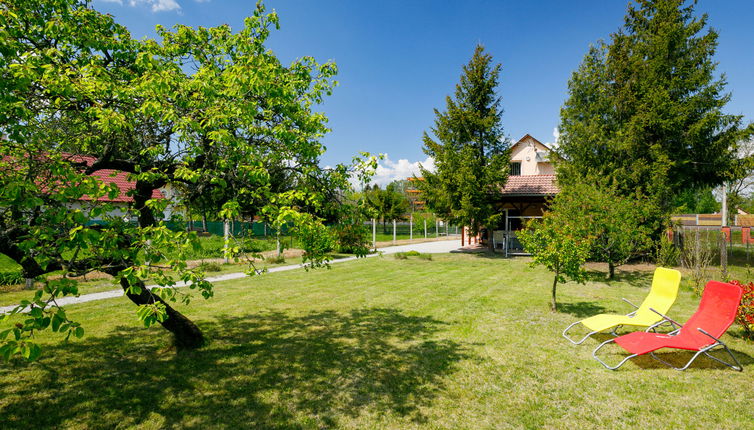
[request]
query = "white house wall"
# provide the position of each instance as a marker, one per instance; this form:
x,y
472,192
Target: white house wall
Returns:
x,y
526,152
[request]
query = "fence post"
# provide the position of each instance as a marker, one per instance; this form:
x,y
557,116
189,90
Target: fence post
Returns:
x,y
393,232
374,234
425,228
411,227
226,236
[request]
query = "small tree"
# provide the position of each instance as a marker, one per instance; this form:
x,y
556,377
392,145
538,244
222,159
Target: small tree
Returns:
x,y
619,225
555,243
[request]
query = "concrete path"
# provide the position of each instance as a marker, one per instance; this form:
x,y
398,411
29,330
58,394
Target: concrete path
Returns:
x,y
425,247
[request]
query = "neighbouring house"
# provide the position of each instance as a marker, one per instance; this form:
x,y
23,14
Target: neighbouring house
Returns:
x,y
414,194
122,201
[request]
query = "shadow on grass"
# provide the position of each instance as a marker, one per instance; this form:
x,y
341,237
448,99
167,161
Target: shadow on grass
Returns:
x,y
581,309
679,358
269,370
635,278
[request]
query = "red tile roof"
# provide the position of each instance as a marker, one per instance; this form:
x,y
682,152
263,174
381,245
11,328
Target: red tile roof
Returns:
x,y
110,176
530,185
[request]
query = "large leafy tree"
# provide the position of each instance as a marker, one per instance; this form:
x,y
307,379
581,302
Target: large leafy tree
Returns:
x,y
470,152
645,110
201,107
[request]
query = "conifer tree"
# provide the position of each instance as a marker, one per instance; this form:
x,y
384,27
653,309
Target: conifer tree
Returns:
x,y
470,152
645,111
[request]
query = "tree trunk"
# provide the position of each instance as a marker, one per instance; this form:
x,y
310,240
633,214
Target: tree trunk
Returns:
x,y
187,334
610,270
554,303
490,243
204,223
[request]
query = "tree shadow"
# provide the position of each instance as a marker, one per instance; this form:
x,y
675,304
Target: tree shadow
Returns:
x,y
268,370
581,309
634,278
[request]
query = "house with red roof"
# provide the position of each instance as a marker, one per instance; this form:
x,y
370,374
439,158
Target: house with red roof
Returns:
x,y
531,183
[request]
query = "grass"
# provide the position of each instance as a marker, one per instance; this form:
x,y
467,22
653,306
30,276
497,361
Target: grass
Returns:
x,y
461,341
6,264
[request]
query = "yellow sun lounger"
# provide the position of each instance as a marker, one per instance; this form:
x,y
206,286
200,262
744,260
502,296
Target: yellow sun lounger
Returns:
x,y
660,299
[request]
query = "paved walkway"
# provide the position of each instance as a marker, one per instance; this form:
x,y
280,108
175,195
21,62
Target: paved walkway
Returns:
x,y
425,247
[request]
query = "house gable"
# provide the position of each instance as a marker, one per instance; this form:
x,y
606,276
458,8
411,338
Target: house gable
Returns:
x,y
533,157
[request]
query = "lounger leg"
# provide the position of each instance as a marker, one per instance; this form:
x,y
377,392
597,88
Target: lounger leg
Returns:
x,y
565,335
594,354
705,351
737,366
652,354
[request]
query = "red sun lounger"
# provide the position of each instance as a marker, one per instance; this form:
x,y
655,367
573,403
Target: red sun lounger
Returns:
x,y
701,333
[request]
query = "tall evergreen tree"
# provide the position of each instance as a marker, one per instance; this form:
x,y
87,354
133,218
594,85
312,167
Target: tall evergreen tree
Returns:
x,y
644,113
470,152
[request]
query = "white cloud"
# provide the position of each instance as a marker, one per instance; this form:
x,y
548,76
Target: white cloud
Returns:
x,y
154,5
389,170
165,5
555,137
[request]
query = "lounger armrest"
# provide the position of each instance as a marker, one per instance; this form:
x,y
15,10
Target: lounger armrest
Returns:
x,y
627,301
709,335
666,318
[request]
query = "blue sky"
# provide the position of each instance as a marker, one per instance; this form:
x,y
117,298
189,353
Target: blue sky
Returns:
x,y
398,60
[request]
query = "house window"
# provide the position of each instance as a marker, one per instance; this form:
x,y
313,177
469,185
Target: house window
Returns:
x,y
516,168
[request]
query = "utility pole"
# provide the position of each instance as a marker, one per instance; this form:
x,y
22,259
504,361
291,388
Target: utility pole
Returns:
x,y
724,223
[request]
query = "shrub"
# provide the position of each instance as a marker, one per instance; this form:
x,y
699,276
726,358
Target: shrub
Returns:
x,y
405,255
275,259
745,314
352,238
696,256
667,254
11,277
209,266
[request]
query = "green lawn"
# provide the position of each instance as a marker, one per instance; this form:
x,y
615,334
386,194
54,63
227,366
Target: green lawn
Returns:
x,y
460,341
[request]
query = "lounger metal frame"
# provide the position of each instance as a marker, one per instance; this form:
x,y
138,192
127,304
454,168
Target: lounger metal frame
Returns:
x,y
612,331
